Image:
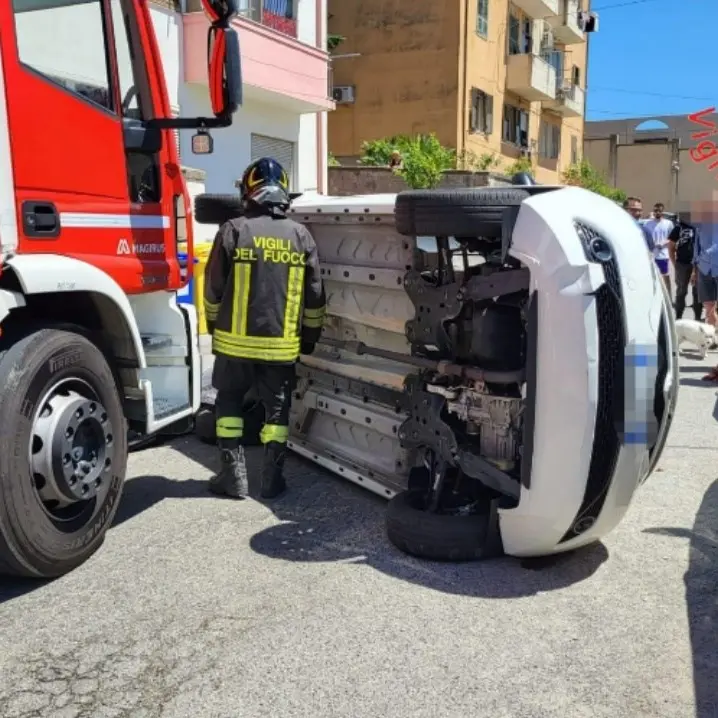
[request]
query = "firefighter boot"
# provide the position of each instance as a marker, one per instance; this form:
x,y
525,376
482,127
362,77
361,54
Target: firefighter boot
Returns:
x,y
273,483
232,479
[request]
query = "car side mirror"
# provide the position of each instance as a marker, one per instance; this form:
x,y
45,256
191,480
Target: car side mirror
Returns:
x,y
224,67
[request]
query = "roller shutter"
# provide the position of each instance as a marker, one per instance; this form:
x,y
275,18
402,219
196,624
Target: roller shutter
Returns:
x,y
281,150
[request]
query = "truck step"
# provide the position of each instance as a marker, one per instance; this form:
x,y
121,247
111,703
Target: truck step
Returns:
x,y
164,407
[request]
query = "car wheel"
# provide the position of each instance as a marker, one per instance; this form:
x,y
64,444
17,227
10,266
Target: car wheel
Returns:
x,y
217,208
435,536
455,213
63,453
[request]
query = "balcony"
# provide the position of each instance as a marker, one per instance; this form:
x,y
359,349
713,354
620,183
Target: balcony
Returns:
x,y
569,100
277,69
277,14
538,8
531,77
565,25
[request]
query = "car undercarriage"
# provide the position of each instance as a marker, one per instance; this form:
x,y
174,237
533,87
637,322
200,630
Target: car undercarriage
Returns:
x,y
438,381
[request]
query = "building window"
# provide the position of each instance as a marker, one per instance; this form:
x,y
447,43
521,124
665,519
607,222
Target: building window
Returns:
x,y
515,127
482,112
482,18
576,76
549,141
77,59
519,35
574,149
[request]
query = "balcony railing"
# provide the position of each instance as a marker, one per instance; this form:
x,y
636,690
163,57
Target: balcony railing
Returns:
x,y
280,15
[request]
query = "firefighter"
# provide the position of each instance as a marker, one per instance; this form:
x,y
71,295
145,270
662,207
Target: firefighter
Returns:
x,y
265,305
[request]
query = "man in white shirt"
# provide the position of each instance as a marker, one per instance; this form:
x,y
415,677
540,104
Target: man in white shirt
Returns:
x,y
659,229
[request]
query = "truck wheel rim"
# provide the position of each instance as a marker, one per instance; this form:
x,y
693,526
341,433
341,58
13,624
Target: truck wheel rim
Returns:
x,y
70,449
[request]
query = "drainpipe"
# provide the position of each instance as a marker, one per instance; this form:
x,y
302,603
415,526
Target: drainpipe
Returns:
x,y
585,89
465,83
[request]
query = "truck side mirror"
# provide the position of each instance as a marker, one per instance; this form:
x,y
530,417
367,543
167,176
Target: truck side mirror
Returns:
x,y
224,68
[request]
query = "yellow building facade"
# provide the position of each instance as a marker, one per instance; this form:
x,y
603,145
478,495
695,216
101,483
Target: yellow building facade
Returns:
x,y
489,77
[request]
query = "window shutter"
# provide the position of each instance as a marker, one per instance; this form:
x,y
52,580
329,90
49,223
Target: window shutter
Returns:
x,y
489,114
280,150
473,114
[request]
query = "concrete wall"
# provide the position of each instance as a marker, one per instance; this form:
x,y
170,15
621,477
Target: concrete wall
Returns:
x,y
407,76
344,181
419,62
643,162
232,145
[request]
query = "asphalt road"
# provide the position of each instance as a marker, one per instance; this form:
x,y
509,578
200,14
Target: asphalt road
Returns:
x,y
198,607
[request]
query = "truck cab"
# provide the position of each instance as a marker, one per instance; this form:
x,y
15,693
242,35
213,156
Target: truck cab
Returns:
x,y
95,241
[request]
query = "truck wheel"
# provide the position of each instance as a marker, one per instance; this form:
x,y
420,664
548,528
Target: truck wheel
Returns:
x,y
433,536
217,208
455,213
63,453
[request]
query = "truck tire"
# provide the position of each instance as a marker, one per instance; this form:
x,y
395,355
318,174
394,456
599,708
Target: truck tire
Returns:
x,y
217,208
455,213
436,537
63,453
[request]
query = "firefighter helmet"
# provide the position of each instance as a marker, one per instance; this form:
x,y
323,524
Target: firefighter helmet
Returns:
x,y
265,182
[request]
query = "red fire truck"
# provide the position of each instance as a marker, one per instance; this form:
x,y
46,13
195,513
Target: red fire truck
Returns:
x,y
95,241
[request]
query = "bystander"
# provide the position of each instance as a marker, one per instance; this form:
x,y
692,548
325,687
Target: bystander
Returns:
x,y
704,215
681,249
658,228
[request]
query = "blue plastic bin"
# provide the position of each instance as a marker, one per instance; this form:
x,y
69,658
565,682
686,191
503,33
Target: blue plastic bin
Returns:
x,y
186,294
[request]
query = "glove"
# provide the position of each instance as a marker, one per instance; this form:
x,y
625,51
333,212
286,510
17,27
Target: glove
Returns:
x,y
210,328
307,347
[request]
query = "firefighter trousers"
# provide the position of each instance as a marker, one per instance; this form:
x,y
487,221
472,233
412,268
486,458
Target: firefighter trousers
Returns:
x,y
273,383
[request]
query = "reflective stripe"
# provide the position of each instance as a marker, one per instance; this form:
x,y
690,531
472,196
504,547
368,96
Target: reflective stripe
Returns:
x,y
318,313
311,323
274,432
211,310
259,348
242,277
295,286
229,427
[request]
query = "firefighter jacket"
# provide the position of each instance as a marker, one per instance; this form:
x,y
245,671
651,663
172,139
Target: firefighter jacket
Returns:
x,y
263,294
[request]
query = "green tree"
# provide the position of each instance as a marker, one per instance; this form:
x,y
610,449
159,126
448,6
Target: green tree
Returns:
x,y
584,174
522,164
424,158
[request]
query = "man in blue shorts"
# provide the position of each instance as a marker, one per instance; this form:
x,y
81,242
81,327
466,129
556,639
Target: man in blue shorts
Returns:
x,y
659,229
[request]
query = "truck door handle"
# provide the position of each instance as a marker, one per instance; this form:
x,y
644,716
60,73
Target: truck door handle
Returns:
x,y
40,220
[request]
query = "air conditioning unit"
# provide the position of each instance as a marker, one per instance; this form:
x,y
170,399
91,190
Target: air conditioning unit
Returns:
x,y
343,95
588,21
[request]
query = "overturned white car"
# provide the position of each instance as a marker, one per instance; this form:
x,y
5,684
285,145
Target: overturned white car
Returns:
x,y
499,363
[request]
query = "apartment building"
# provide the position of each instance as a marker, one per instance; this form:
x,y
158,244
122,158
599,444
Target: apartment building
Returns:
x,y
286,87
487,76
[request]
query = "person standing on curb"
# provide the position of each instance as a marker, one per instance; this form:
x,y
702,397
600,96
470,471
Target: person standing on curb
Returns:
x,y
681,249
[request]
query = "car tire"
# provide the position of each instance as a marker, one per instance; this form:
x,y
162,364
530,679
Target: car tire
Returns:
x,y
253,414
437,537
57,387
455,213
217,208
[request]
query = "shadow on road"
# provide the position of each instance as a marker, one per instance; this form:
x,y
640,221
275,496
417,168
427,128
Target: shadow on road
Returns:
x,y
326,519
700,580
